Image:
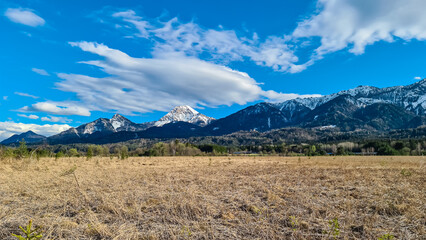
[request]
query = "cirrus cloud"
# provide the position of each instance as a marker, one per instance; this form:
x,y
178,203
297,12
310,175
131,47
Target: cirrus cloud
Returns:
x,y
24,16
174,37
31,116
26,95
40,71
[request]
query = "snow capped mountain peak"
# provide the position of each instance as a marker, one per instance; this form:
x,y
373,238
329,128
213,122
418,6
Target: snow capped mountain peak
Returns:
x,y
117,116
185,108
184,114
359,91
119,121
421,82
411,98
99,125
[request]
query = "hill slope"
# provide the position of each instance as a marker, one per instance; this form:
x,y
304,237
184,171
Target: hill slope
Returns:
x,y
29,137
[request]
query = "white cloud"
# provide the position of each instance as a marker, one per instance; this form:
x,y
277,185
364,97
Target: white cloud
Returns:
x,y
5,98
57,108
31,116
141,25
24,16
189,39
26,34
137,85
335,25
56,119
355,24
26,95
40,71
10,128
417,78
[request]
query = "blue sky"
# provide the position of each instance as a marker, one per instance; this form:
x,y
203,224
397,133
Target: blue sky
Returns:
x,y
64,63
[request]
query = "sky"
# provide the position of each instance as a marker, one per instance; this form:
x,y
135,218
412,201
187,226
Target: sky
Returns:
x,y
65,63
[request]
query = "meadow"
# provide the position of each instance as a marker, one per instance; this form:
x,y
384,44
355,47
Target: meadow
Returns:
x,y
236,197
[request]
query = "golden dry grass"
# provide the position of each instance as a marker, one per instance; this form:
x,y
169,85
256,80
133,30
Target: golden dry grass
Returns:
x,y
216,197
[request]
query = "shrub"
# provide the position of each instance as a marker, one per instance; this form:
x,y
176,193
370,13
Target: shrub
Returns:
x,y
124,152
73,152
29,233
22,151
334,228
89,153
386,236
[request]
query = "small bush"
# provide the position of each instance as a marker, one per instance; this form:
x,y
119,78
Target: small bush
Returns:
x,y
386,236
29,233
405,172
334,228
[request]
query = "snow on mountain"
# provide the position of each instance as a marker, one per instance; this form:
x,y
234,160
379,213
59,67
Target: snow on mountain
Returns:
x,y
411,98
120,123
260,117
72,131
420,102
184,114
117,123
99,125
359,91
312,103
360,107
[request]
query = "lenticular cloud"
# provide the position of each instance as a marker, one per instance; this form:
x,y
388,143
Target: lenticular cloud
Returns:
x,y
137,85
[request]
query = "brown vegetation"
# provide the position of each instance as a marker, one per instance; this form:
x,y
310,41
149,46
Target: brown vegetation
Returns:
x,y
247,197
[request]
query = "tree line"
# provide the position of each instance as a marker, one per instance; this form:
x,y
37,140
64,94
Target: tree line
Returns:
x,y
177,148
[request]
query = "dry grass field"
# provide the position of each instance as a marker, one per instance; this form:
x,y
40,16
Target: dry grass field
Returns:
x,y
216,197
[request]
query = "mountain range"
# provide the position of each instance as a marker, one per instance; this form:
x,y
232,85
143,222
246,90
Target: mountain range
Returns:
x,y
363,108
29,137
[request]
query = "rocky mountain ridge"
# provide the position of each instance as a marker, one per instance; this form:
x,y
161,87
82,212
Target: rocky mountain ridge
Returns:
x,y
411,97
